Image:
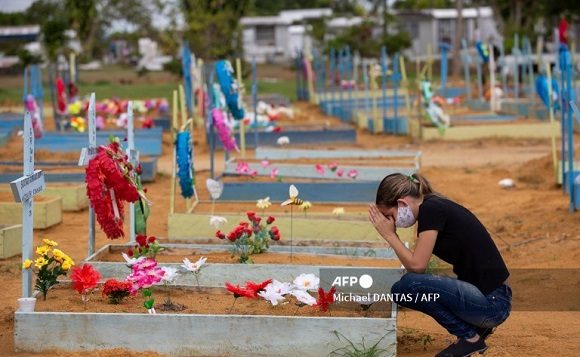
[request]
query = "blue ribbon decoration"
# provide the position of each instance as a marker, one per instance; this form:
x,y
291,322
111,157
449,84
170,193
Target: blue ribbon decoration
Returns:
x,y
185,170
230,88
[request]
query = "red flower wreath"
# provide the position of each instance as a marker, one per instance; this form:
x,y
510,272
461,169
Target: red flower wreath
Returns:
x,y
110,170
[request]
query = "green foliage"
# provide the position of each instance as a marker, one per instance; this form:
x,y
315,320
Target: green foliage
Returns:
x,y
361,349
360,39
53,32
422,4
174,67
26,58
213,26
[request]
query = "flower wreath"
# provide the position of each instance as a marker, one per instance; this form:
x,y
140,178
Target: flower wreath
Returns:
x,y
223,130
185,169
108,178
230,88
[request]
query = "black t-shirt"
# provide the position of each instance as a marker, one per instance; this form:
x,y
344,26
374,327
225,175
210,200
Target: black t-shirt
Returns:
x,y
463,242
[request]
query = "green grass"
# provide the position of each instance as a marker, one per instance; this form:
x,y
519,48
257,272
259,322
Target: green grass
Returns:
x,y
104,89
283,87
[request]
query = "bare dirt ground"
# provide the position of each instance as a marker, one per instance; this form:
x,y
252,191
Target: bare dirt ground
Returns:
x,y
530,224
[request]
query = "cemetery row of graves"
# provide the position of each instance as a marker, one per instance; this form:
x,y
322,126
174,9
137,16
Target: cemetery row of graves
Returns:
x,y
253,246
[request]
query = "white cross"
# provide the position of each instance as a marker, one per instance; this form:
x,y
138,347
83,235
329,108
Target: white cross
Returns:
x,y
134,160
24,189
86,155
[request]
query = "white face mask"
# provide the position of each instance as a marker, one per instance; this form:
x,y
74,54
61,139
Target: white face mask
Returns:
x,y
405,217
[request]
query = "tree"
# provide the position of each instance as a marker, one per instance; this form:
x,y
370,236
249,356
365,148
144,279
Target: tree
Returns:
x,y
457,39
213,26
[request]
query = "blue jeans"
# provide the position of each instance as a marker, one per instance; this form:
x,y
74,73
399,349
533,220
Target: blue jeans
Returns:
x,y
460,306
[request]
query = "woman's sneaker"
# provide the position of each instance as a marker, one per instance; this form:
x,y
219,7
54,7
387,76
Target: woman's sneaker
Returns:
x,y
484,332
463,348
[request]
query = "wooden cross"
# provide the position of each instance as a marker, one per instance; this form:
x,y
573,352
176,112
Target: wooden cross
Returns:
x,y
86,155
24,189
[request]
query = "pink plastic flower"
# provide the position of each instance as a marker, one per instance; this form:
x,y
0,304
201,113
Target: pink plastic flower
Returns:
x,y
242,168
332,167
319,168
353,174
274,173
145,274
265,163
339,172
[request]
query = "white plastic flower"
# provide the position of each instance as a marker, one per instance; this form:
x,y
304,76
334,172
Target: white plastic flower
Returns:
x,y
193,267
304,297
307,282
338,211
131,261
283,140
305,205
170,274
280,287
263,203
217,221
271,295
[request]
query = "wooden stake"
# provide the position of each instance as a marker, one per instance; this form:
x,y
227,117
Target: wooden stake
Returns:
x,y
241,94
174,129
552,121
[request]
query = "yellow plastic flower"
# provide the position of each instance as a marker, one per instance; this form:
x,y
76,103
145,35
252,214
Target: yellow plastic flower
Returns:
x,y
49,242
305,205
67,264
263,203
27,263
42,250
58,255
40,262
338,211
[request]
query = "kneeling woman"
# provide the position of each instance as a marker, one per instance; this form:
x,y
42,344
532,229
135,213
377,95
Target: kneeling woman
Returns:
x,y
470,306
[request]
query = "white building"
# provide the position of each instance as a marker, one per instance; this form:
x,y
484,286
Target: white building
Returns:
x,y
277,38
433,26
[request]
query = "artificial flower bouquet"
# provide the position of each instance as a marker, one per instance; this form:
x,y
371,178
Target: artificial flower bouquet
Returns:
x,y
251,237
48,266
111,180
147,247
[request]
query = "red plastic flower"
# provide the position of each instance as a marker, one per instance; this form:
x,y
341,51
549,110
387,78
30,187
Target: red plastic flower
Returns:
x,y
274,233
220,235
270,220
84,278
251,215
130,252
239,291
141,240
325,299
116,290
255,288
151,240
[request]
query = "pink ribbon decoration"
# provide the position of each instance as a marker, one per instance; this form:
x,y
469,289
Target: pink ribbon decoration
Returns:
x,y
223,130
31,107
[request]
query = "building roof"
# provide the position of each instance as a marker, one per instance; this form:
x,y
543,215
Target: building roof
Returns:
x,y
264,20
447,13
30,32
344,21
285,17
302,14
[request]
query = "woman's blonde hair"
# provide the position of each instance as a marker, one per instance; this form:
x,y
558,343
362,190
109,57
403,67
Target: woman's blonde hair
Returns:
x,y
396,186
